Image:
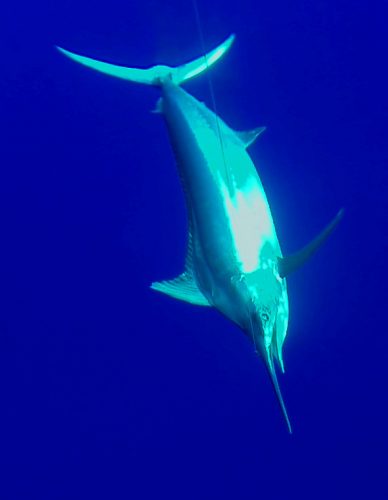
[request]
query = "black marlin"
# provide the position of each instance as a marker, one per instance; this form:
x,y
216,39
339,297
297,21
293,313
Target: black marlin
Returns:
x,y
234,262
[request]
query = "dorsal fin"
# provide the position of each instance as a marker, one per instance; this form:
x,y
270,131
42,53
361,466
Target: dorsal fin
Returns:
x,y
291,263
248,137
189,250
182,288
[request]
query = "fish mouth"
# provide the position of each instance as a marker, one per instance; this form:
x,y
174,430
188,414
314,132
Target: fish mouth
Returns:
x,y
258,336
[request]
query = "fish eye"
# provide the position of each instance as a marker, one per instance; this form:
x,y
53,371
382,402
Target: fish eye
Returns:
x,y
265,317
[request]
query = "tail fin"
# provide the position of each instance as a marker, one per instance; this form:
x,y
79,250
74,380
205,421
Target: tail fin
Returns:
x,y
272,373
155,75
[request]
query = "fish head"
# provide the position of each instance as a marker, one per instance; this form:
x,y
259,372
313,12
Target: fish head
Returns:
x,y
267,323
265,291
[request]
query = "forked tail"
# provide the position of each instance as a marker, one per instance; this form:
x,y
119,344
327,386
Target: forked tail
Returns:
x,y
155,75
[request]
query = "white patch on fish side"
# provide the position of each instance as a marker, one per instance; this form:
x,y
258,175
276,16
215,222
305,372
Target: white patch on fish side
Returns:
x,y
250,223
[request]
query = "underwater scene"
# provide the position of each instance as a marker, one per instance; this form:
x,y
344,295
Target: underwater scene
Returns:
x,y
194,236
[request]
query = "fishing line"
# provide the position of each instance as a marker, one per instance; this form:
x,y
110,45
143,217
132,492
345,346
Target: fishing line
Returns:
x,y
211,89
253,334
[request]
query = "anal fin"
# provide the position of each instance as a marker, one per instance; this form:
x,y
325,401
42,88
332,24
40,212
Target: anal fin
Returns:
x,y
248,137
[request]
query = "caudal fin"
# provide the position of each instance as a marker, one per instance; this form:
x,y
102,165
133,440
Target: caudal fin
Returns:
x,y
155,75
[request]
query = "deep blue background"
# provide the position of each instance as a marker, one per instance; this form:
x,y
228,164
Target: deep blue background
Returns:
x,y
109,390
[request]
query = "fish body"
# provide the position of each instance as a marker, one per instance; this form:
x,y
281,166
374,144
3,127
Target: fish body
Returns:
x,y
234,262
234,245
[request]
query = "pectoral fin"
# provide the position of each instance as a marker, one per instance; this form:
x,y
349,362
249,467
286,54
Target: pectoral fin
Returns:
x,y
288,265
182,288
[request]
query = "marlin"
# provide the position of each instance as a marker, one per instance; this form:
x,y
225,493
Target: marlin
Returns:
x,y
234,262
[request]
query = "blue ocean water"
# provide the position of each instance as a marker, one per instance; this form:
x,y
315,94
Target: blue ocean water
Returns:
x,y
110,390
